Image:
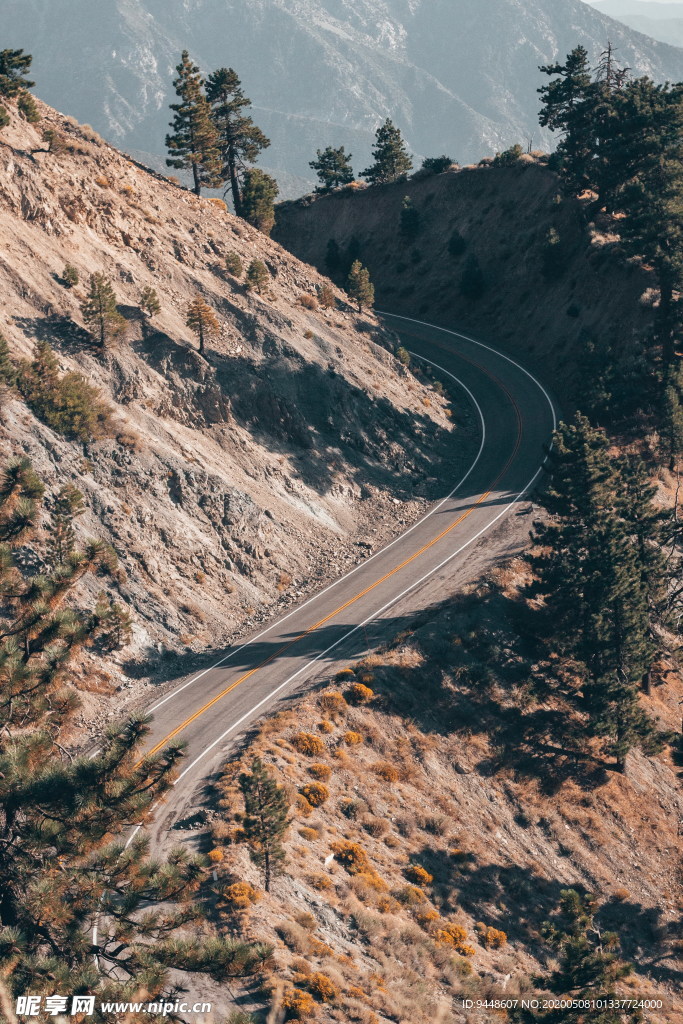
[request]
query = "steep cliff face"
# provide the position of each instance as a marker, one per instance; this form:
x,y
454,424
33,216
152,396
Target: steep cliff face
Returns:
x,y
230,482
459,76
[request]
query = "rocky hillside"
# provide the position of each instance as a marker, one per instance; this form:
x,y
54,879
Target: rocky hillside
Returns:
x,y
454,76
493,249
432,837
229,483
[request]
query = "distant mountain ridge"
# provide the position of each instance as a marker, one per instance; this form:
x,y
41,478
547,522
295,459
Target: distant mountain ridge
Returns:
x,y
662,21
456,75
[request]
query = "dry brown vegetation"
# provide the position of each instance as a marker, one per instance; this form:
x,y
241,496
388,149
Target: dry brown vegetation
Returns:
x,y
434,886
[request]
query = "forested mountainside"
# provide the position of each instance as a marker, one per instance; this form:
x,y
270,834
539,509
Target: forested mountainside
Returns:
x,y
458,77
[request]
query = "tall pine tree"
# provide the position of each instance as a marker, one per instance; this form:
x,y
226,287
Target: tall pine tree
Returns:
x,y
239,140
265,821
392,162
594,574
193,144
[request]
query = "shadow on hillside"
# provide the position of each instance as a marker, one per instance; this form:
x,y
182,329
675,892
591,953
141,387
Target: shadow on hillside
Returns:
x,y
60,332
519,900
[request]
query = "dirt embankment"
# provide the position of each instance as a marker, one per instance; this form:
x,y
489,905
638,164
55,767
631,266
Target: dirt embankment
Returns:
x,y
548,282
233,481
432,834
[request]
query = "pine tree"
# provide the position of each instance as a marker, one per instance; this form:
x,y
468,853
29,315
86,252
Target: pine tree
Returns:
x,y
566,110
99,310
594,572
410,220
201,319
112,624
392,160
27,107
588,969
193,144
671,426
333,167
60,869
8,371
14,67
650,196
259,192
68,505
265,822
359,286
257,275
239,140
149,302
233,264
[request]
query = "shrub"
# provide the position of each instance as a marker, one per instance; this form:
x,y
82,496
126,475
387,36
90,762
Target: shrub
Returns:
x,y
310,834
220,204
325,726
70,276
233,264
490,937
352,808
298,1005
28,108
351,856
320,882
357,693
316,793
426,918
386,771
308,744
257,275
509,157
410,896
332,701
4,117
454,935
322,988
241,895
436,164
216,856
303,807
308,301
419,875
345,674
403,355
326,296
67,404
352,739
320,771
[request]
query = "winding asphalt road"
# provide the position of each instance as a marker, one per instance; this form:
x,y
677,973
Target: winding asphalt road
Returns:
x,y
210,710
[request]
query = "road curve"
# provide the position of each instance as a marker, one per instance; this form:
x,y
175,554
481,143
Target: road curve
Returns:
x,y
211,709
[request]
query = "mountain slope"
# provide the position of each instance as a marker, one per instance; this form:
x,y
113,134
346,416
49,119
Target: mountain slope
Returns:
x,y
232,482
454,76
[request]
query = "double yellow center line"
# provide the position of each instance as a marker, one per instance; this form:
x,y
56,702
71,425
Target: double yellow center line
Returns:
x,y
357,597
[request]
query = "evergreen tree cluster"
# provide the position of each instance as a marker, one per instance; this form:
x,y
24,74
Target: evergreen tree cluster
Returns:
x,y
60,869
214,138
599,567
621,140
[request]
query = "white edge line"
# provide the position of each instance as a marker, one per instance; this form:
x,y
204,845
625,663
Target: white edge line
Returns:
x,y
360,625
367,561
